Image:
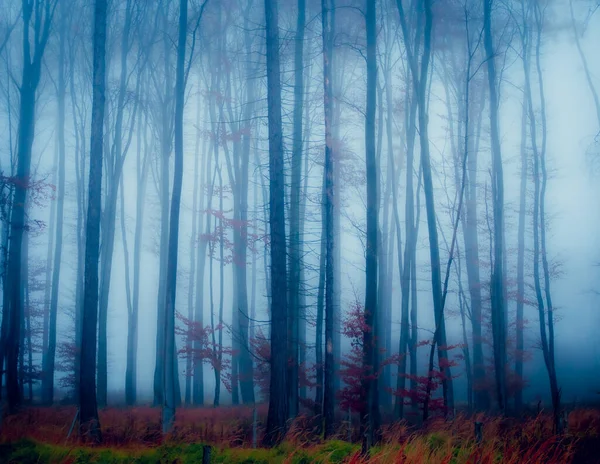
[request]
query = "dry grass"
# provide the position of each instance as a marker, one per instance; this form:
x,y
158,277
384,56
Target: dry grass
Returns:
x,y
229,429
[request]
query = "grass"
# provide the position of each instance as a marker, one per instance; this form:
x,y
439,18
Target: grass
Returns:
x,y
38,435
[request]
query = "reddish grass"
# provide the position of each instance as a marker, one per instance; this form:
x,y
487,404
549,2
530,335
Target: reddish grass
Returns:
x,y
139,426
516,440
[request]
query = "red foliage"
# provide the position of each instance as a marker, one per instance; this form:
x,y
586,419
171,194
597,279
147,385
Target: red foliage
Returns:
x,y
199,346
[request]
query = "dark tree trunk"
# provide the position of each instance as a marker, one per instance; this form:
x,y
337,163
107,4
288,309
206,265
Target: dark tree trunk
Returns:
x,y
170,360
320,310
329,201
88,410
295,264
369,421
32,63
497,283
278,404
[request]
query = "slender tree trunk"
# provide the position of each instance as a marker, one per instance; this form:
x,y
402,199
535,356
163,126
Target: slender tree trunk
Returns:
x,y
497,284
88,410
143,165
170,367
18,225
329,201
295,264
190,364
278,404
521,261
49,268
50,353
370,395
320,309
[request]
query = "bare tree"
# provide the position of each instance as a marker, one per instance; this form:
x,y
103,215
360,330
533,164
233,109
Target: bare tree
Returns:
x,y
88,409
370,395
278,404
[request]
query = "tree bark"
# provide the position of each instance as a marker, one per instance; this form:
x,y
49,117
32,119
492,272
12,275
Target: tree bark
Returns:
x,y
88,410
295,264
497,283
278,404
50,352
370,395
170,368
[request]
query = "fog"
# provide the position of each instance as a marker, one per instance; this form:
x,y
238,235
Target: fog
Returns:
x,y
227,136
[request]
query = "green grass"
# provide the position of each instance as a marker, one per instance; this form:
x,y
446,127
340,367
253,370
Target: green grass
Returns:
x,y
30,452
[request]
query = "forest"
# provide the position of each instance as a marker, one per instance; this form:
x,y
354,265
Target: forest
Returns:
x,y
294,231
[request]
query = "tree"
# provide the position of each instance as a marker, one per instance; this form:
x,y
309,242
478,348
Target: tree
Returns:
x,y
370,401
50,349
88,409
497,282
295,260
170,371
30,79
114,165
278,404
328,205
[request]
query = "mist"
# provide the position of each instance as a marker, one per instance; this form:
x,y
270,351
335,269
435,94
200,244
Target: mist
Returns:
x,y
385,208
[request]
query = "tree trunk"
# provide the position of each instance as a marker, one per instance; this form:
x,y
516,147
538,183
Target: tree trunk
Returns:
x,y
497,284
88,410
278,404
295,264
132,334
369,422
521,261
50,352
18,226
329,200
170,367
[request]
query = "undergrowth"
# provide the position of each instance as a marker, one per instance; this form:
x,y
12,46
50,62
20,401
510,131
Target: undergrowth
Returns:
x,y
133,436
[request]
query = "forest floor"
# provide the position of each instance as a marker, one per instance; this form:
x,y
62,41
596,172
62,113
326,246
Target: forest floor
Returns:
x,y
39,435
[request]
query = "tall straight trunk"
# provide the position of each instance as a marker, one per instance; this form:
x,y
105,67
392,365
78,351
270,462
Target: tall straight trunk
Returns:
x,y
406,270
50,351
463,323
329,201
198,384
24,317
88,411
80,169
303,200
6,222
49,260
320,309
245,365
481,399
497,284
30,79
295,264
170,368
278,404
165,152
337,83
189,374
369,422
521,260
143,165
114,165
383,249
540,178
